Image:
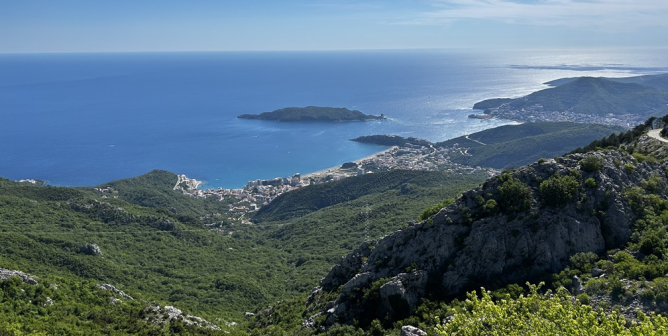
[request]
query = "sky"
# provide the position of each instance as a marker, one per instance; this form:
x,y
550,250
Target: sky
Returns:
x,y
38,26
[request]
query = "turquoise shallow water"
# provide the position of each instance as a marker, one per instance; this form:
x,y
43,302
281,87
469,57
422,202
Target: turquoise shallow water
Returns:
x,y
84,119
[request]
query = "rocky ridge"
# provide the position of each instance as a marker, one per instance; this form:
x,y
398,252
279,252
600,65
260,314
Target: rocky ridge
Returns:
x,y
27,278
483,238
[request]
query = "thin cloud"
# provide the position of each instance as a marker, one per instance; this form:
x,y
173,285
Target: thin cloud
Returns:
x,y
608,14
354,6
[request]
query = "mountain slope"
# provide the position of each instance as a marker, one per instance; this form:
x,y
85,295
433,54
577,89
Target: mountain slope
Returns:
x,y
155,189
655,81
585,99
167,257
518,226
517,145
315,241
597,96
306,200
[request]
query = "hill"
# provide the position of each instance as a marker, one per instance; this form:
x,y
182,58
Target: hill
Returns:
x,y
306,200
313,113
517,145
585,99
155,189
154,245
334,219
592,222
150,252
655,81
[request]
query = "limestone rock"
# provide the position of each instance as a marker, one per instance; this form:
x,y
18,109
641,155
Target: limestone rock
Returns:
x,y
114,290
412,331
90,249
597,272
165,314
400,295
27,278
577,285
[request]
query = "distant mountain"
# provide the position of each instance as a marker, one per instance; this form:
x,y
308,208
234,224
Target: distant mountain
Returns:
x,y
586,99
655,81
517,145
313,113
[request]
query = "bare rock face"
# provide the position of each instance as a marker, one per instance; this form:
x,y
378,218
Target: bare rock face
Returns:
x,y
412,331
114,290
27,278
402,292
474,241
164,314
90,249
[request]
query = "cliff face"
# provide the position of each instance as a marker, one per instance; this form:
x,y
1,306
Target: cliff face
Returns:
x,y
492,236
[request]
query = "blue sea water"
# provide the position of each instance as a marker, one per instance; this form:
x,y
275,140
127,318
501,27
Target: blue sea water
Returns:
x,y
85,119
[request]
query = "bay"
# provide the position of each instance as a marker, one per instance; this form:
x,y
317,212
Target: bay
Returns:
x,y
85,119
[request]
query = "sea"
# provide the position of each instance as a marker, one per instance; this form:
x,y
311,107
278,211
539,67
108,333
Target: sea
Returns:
x,y
83,119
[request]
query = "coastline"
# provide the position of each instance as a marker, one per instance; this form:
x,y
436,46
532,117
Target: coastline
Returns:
x,y
336,168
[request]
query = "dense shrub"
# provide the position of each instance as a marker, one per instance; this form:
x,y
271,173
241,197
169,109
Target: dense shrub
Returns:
x,y
428,212
630,169
583,261
590,183
557,191
514,196
591,164
538,314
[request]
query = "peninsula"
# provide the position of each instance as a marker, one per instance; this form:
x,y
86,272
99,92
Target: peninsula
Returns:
x,y
612,101
313,113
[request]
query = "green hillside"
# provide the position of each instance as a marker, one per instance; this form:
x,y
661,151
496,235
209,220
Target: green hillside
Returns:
x,y
655,81
517,145
313,198
156,189
597,96
356,210
165,256
162,252
619,101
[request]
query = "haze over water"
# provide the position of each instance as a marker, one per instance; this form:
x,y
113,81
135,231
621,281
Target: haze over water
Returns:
x,y
85,119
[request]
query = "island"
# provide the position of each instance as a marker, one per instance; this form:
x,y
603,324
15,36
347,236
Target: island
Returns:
x,y
313,113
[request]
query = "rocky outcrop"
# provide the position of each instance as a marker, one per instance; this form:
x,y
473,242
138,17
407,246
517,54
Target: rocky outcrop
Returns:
x,y
27,278
165,314
412,331
401,293
90,249
114,290
477,241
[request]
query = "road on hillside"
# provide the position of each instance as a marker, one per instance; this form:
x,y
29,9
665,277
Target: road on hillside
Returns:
x,y
655,134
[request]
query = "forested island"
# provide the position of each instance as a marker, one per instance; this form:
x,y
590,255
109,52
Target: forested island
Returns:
x,y
313,113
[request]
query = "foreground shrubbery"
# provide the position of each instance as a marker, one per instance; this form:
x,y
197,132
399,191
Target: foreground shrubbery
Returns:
x,y
538,314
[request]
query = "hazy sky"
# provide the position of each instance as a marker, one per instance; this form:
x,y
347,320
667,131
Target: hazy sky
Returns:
x,y
202,25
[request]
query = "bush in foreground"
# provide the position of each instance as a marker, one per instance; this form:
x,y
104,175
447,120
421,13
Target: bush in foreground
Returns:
x,y
538,314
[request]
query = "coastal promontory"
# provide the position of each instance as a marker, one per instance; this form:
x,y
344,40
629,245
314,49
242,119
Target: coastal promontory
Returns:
x,y
313,113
